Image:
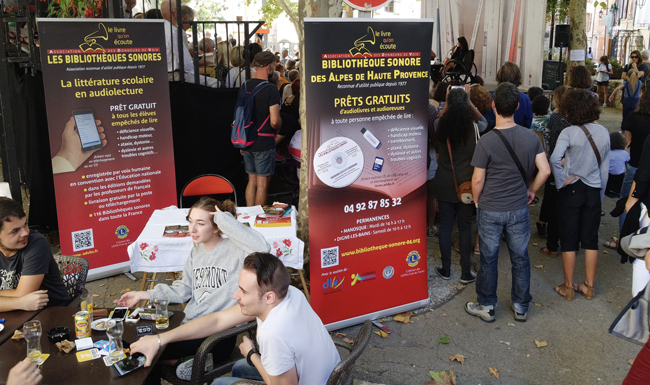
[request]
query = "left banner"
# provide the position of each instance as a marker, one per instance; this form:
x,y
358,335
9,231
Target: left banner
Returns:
x,y
107,98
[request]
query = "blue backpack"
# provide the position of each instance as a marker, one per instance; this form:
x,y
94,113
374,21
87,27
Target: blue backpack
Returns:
x,y
243,132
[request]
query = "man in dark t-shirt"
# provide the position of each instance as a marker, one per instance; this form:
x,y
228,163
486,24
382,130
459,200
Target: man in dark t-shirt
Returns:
x,y
259,158
502,195
29,275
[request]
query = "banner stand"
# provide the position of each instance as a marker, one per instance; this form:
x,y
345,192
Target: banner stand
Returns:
x,y
367,94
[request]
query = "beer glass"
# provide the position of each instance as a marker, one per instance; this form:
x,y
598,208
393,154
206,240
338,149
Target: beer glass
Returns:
x,y
114,331
32,332
160,301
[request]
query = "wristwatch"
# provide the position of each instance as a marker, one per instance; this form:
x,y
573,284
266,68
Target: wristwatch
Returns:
x,y
250,354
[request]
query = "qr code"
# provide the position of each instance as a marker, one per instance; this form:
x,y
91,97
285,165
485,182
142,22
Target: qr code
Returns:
x,y
82,240
329,257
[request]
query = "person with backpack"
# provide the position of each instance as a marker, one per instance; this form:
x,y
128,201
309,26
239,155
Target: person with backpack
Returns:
x,y
257,121
631,94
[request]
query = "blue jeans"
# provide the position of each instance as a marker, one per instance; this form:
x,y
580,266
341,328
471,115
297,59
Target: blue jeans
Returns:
x,y
463,215
625,189
240,371
516,226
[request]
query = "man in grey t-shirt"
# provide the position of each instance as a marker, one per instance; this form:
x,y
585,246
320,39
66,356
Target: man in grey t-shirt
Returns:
x,y
29,275
501,195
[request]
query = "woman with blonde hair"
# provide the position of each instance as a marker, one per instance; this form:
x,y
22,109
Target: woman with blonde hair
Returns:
x,y
631,94
237,74
210,272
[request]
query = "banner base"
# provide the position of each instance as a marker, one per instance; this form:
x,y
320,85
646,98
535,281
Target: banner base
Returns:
x,y
378,314
108,271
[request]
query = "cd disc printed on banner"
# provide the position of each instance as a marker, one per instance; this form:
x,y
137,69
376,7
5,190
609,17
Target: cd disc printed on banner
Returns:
x,y
338,162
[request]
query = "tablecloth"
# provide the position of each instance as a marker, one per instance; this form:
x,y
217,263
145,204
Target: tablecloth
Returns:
x,y
154,253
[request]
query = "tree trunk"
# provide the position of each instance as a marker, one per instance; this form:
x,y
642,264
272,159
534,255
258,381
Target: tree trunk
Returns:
x,y
308,8
578,23
551,43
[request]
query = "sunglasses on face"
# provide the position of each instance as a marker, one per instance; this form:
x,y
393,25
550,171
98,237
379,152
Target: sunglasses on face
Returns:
x,y
634,57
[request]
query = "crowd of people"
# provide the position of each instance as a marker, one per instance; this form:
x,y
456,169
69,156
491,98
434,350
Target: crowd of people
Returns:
x,y
490,162
489,154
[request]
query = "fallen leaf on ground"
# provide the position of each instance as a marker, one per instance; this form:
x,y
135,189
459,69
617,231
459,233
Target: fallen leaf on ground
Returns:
x,y
442,378
458,357
535,244
404,318
539,259
537,304
494,372
444,314
125,291
505,343
540,344
112,294
102,285
528,355
511,324
340,335
381,333
95,295
460,287
443,340
538,266
605,252
615,239
630,361
349,341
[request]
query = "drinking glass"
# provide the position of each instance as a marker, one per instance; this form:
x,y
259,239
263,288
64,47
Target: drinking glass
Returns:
x,y
160,301
114,331
87,304
32,332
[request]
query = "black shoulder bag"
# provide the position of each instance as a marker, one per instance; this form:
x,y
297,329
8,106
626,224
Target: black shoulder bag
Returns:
x,y
513,155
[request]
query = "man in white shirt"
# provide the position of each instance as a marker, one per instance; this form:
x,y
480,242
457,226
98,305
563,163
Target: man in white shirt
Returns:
x,y
294,346
285,57
168,9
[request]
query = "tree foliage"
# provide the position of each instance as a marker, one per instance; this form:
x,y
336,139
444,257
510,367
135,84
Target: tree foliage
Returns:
x,y
272,9
207,10
557,8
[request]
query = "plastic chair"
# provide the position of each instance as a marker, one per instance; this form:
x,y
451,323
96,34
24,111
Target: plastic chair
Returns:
x,y
74,271
344,371
199,375
207,184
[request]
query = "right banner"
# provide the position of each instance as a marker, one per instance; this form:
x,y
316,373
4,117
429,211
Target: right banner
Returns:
x,y
367,84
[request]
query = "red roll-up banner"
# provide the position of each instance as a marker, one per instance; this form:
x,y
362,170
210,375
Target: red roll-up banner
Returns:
x,y
107,98
367,85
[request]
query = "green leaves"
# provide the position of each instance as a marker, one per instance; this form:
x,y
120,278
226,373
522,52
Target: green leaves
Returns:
x,y
443,340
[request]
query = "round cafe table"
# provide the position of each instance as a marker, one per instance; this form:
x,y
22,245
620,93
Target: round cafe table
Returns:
x,y
63,368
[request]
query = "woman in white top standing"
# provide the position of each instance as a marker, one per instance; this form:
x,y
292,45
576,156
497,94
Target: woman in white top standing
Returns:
x,y
603,71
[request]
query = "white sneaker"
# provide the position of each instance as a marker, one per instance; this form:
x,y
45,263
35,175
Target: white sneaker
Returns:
x,y
604,105
483,312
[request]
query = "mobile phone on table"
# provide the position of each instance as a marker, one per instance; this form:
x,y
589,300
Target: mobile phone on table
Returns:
x,y
130,363
87,130
119,313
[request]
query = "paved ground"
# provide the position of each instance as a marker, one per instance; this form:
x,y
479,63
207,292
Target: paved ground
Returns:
x,y
579,351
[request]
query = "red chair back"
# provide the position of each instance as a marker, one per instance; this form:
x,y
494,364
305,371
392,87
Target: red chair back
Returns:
x,y
209,184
